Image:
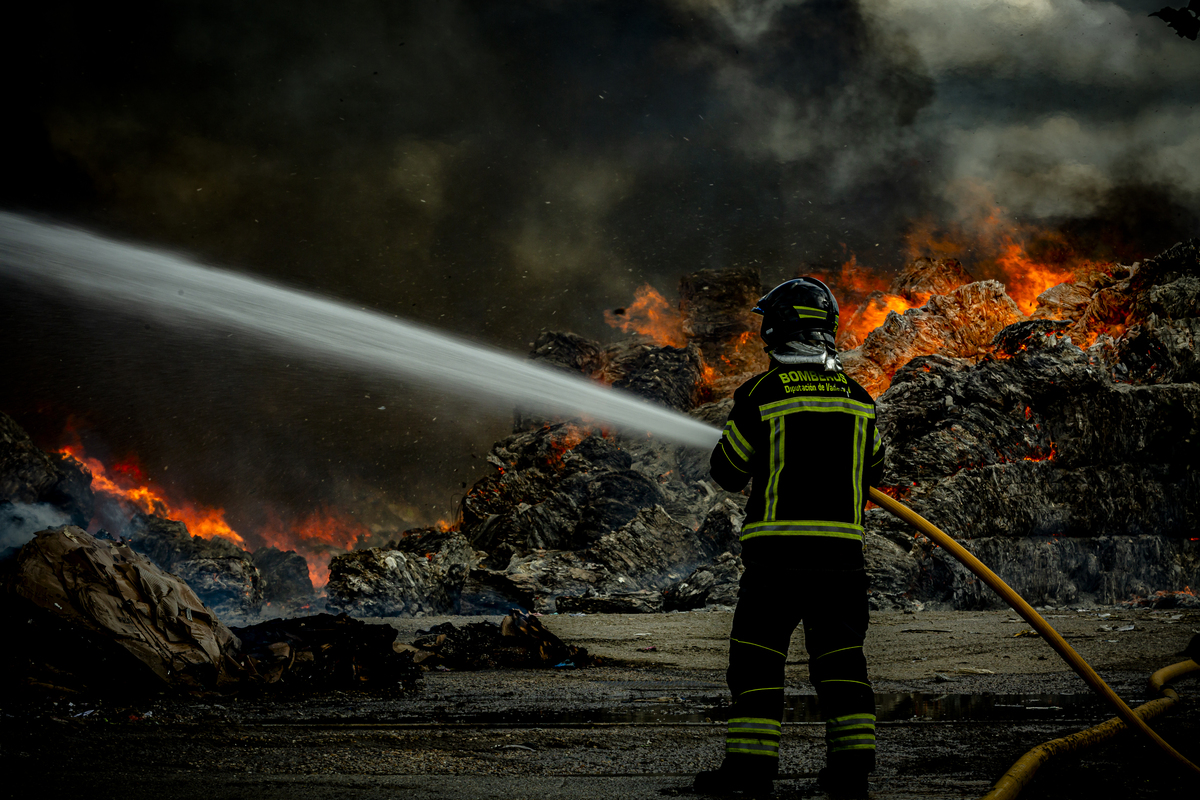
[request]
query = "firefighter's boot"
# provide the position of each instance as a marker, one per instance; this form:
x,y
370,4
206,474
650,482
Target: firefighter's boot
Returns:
x,y
729,780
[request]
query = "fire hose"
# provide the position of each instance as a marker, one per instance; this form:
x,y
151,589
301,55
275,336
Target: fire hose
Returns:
x,y
1021,772
1018,604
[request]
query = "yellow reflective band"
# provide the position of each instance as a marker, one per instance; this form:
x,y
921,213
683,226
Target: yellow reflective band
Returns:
x,y
806,527
808,312
729,458
733,437
759,731
856,467
781,408
756,721
849,718
750,751
764,689
776,467
840,748
831,652
738,439
763,646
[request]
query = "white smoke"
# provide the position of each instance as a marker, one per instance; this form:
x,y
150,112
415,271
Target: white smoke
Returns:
x,y
20,521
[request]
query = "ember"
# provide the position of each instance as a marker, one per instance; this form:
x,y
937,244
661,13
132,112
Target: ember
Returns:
x,y
564,440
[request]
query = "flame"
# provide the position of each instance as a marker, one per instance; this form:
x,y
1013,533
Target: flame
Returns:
x,y
315,536
564,440
1027,259
744,349
871,314
125,484
1025,278
650,315
864,301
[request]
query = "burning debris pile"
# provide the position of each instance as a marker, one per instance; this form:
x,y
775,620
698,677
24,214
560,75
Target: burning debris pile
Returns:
x,y
568,511
1058,442
1056,434
235,583
40,490
1072,470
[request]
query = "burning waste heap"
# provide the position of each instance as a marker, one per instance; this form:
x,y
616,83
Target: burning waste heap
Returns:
x,y
1055,435
1057,443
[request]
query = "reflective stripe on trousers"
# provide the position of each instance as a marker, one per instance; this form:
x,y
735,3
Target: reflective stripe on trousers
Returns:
x,y
851,732
754,736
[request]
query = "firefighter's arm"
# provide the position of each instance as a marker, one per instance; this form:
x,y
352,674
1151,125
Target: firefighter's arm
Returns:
x,y
731,459
729,471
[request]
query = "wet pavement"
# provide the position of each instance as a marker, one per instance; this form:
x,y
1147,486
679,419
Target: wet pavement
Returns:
x,y
638,727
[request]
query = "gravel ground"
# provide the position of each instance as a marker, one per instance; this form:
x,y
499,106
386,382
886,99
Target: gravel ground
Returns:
x,y
962,696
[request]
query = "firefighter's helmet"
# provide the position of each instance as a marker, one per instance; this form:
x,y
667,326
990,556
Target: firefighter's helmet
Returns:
x,y
802,309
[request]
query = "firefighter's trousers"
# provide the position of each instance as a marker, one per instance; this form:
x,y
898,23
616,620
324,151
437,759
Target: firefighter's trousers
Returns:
x,y
833,608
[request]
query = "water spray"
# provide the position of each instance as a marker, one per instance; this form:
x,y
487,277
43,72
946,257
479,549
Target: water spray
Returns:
x,y
182,293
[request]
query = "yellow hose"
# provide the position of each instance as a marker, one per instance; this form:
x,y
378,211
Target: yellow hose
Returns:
x,y
1022,771
1018,604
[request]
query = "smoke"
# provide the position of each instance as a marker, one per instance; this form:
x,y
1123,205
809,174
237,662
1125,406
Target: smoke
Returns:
x,y
20,521
491,169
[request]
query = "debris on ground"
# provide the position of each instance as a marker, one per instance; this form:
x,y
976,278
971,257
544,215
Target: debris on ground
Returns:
x,y
324,652
518,641
82,613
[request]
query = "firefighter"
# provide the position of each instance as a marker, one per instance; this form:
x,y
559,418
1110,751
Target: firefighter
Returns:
x,y
803,435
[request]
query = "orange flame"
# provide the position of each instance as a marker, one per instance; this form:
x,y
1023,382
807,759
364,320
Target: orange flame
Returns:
x,y
125,485
315,536
564,440
1025,279
650,315
1028,260
874,312
864,301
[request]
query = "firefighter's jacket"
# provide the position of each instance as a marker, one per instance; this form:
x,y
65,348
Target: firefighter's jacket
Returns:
x,y
808,440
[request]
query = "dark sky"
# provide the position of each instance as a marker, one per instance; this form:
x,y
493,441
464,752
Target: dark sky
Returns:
x,y
495,168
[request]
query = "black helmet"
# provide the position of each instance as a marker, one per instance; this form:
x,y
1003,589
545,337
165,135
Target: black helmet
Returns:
x,y
802,309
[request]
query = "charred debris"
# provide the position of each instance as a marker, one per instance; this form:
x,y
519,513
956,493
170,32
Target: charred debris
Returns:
x,y
1060,446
